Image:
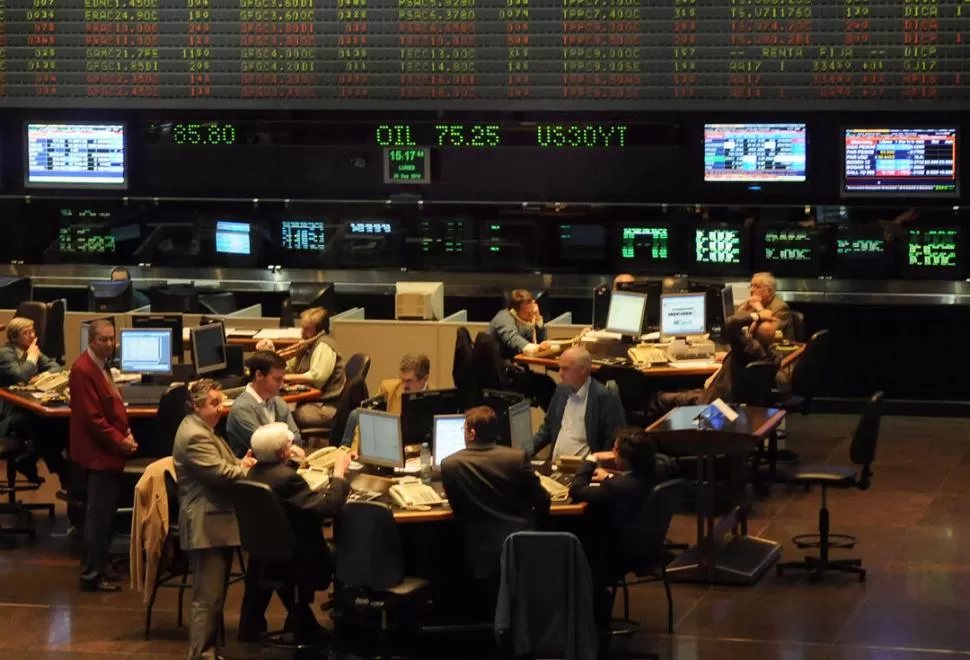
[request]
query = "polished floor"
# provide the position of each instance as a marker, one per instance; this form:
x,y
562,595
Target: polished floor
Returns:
x,y
913,525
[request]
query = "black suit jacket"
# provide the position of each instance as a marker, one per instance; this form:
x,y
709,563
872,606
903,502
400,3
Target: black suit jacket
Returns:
x,y
613,507
307,511
493,492
744,350
604,415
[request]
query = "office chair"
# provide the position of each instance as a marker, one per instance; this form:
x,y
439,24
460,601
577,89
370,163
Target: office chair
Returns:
x,y
220,304
268,538
862,453
357,367
808,373
798,325
370,567
355,392
9,449
488,365
645,549
172,409
48,318
462,367
286,313
755,384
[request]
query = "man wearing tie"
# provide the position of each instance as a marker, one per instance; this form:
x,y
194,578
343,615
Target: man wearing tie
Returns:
x,y
99,442
261,404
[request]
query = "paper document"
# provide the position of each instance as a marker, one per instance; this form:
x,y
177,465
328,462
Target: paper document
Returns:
x,y
278,333
241,332
602,335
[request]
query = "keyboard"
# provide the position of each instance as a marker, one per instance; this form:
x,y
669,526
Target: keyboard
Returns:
x,y
142,395
557,491
362,496
563,478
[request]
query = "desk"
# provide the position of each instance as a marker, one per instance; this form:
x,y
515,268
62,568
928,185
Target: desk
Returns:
x,y
26,401
724,553
442,513
650,372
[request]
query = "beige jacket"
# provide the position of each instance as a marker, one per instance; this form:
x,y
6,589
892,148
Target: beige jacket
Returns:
x,y
149,525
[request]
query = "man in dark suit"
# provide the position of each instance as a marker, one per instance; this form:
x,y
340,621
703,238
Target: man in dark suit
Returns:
x,y
583,416
100,442
272,445
615,499
492,490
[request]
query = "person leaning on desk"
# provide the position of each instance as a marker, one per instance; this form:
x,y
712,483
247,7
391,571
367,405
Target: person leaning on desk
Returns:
x,y
519,329
311,562
583,416
21,362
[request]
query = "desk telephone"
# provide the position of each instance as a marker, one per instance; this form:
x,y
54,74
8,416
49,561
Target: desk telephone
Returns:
x,y
646,356
50,381
325,457
410,493
557,492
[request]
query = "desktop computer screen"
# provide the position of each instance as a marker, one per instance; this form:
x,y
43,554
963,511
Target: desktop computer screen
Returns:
x,y
380,439
61,155
626,313
109,295
233,238
209,348
146,350
418,410
449,436
520,426
171,321
683,314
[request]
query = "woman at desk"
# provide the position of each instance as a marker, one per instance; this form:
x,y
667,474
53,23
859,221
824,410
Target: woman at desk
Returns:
x,y
21,362
615,498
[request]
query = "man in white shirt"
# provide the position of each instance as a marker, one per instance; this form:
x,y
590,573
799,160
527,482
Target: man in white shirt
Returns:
x,y
261,404
583,415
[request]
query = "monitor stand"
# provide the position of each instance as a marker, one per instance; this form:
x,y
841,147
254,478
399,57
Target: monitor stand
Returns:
x,y
378,470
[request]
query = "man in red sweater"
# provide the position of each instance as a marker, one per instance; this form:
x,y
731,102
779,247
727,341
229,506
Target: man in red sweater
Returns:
x,y
100,442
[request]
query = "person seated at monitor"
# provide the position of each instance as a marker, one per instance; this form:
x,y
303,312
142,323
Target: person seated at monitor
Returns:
x,y
317,363
493,491
583,416
519,329
260,404
21,362
414,375
138,299
311,562
615,499
763,297
750,340
623,279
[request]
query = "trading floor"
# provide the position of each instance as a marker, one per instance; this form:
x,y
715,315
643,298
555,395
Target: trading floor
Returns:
x,y
913,534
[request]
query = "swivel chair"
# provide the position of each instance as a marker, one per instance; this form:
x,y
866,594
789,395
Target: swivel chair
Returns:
x,y
798,325
862,454
463,368
48,318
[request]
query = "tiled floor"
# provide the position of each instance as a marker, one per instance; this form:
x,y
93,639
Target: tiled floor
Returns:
x,y
913,524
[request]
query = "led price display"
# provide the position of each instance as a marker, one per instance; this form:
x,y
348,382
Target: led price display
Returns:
x,y
855,247
788,246
932,248
407,166
369,228
902,161
754,152
76,155
85,240
302,235
442,237
485,54
645,243
717,246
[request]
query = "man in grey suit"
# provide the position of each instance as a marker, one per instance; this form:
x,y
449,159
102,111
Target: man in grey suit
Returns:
x,y
583,415
764,304
261,404
208,531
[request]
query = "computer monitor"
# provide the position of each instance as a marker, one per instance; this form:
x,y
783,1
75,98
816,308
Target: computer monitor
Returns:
x,y
380,439
81,155
501,402
14,290
418,410
520,426
171,321
900,162
754,153
175,298
449,436
109,296
626,313
652,289
209,348
727,303
303,236
146,350
233,238
683,314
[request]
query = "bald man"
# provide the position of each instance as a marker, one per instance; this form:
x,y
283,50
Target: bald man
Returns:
x,y
583,416
762,298
623,278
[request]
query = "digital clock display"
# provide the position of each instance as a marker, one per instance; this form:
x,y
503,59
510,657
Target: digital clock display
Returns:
x,y
410,166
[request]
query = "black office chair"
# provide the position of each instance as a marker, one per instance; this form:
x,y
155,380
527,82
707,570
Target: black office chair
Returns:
x,y
645,550
220,304
808,373
48,318
286,313
755,384
172,409
488,365
798,325
463,369
266,534
10,448
355,392
370,567
173,568
357,367
862,453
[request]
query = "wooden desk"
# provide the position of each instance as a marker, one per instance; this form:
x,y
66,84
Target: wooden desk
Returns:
x,y
724,553
26,401
443,513
249,343
651,372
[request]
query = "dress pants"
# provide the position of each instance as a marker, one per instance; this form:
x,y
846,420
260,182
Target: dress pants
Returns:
x,y
101,503
256,598
210,582
314,415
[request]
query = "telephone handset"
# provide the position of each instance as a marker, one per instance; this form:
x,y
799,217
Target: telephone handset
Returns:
x,y
50,381
645,356
325,457
410,493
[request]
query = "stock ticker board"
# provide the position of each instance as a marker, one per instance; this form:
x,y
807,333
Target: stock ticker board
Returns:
x,y
485,54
